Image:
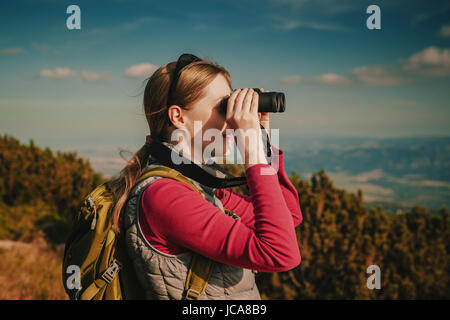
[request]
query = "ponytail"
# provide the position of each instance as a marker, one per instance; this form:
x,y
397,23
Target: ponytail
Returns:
x,y
121,186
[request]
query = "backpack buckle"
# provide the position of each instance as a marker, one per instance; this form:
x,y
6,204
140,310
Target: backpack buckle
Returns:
x,y
192,294
111,272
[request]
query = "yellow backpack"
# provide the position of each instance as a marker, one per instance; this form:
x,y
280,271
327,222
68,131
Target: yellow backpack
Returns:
x,y
96,265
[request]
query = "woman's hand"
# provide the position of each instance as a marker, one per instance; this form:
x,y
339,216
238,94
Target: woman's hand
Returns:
x,y
242,110
242,113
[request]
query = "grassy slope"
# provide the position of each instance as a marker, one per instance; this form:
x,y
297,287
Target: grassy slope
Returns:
x,y
31,271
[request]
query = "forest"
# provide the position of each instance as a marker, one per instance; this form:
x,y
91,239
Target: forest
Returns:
x,y
40,192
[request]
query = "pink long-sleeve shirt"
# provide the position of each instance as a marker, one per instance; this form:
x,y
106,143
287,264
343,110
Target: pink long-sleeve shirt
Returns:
x,y
174,218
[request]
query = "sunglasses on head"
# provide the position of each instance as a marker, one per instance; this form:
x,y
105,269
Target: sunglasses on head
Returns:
x,y
182,62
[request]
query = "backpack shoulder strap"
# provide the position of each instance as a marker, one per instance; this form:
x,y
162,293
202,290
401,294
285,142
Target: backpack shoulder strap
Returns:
x,y
200,269
166,172
198,277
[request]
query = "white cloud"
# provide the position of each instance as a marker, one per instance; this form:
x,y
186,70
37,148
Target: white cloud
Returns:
x,y
431,56
291,79
367,176
287,24
137,23
431,61
11,51
92,76
367,76
141,71
326,7
378,76
63,73
322,26
332,78
58,73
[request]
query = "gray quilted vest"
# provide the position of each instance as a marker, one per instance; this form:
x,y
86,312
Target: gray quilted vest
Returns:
x,y
163,275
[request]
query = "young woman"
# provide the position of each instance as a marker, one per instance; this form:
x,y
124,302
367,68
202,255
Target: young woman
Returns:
x,y
169,221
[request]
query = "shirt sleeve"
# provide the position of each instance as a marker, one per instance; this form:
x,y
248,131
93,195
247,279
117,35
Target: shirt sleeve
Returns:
x,y
242,205
181,216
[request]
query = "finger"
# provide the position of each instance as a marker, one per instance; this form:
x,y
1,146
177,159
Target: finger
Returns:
x,y
247,101
230,104
239,100
254,105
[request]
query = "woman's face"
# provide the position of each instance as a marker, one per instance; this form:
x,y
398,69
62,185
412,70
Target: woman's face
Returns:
x,y
207,111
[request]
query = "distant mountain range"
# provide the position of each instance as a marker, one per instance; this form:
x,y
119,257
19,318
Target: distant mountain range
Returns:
x,y
397,173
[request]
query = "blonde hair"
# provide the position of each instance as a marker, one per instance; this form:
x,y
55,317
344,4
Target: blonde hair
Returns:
x,y
190,87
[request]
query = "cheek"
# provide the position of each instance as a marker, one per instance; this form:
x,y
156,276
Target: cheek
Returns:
x,y
196,121
212,120
215,123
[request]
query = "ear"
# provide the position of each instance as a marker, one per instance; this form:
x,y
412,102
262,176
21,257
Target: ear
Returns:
x,y
175,114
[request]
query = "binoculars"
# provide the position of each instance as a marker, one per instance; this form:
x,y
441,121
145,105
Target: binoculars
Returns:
x,y
268,102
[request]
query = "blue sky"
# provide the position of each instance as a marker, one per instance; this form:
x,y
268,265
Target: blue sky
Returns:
x,y
72,88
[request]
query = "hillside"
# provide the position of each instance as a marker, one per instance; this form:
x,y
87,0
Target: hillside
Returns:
x,y
338,239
